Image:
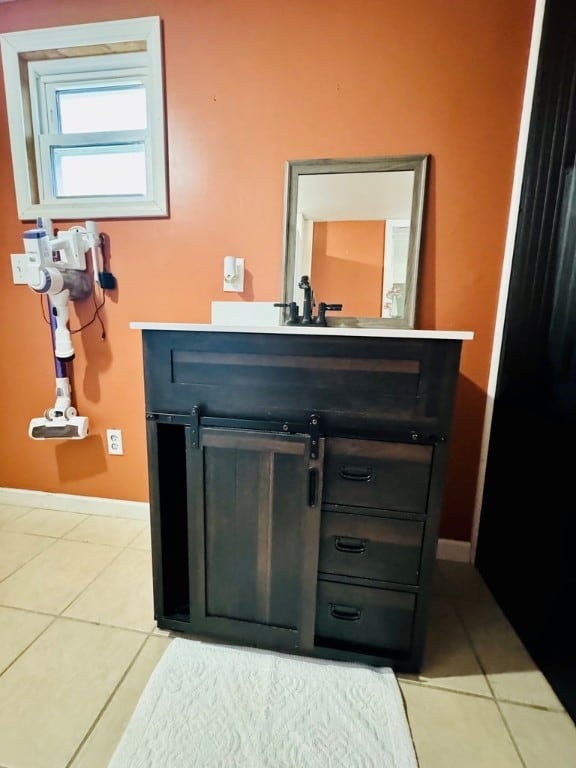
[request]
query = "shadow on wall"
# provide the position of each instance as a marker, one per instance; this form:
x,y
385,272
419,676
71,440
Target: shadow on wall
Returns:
x,y
93,458
462,478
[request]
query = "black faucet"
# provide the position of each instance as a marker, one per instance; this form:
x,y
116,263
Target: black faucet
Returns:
x,y
308,305
307,316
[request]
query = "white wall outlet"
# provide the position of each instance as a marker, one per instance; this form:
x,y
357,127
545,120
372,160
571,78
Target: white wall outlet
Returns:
x,y
114,440
19,268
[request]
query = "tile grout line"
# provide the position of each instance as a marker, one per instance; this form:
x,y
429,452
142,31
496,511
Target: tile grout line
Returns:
x,y
145,634
83,515
30,644
120,549
484,672
59,615
55,540
107,703
26,562
89,584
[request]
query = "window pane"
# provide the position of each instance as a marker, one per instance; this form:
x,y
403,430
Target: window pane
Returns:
x,y
91,110
107,170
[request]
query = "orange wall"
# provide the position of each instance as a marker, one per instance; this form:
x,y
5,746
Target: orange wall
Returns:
x,y
347,265
250,85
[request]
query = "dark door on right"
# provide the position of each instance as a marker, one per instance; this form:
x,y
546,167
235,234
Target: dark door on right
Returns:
x,y
527,537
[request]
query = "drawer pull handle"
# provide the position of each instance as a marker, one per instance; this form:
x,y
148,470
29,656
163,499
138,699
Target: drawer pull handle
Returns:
x,y
360,474
345,612
312,487
350,546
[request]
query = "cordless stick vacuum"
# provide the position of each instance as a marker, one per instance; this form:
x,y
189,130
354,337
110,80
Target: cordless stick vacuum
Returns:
x,y
57,267
62,420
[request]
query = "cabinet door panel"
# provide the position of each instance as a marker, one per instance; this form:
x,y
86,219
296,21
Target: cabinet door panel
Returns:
x,y
381,475
260,535
370,547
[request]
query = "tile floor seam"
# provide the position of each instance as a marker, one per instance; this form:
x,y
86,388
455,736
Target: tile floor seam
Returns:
x,y
496,697
30,644
27,562
484,672
94,623
443,689
428,684
84,517
32,533
18,515
509,730
100,572
473,648
538,707
129,545
119,546
100,714
28,610
43,509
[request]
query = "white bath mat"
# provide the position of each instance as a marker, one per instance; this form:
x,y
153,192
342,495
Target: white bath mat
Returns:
x,y
210,706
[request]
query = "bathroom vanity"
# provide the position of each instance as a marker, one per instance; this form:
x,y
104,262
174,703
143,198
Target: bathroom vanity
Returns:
x,y
296,483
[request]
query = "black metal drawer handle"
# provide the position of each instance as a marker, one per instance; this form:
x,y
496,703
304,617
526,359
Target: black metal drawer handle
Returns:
x,y
345,612
312,487
360,474
349,545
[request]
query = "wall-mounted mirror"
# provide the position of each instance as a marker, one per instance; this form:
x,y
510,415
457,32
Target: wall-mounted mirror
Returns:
x,y
354,227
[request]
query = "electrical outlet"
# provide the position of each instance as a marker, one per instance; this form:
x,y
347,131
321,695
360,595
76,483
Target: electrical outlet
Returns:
x,y
19,268
114,440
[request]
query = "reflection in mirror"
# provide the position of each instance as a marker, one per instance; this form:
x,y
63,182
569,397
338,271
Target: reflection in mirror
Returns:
x,y
354,226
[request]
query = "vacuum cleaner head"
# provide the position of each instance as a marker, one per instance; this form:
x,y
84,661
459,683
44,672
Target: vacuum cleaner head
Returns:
x,y
59,428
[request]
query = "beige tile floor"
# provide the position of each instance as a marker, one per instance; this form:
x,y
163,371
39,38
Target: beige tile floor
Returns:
x,y
78,644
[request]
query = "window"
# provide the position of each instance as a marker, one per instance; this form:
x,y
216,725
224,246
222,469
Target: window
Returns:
x,y
86,117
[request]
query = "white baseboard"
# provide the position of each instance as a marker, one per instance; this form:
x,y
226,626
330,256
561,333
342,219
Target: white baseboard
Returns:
x,y
89,505
451,549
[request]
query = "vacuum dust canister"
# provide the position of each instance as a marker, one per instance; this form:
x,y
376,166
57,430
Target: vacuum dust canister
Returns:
x,y
37,246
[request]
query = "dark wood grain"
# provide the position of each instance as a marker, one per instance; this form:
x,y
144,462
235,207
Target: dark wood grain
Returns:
x,y
359,385
254,528
385,617
368,473
370,547
258,542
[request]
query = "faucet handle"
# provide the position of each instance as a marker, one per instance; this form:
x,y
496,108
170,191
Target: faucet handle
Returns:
x,y
292,306
322,309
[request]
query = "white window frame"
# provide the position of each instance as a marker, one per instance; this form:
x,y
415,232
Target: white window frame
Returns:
x,y
30,98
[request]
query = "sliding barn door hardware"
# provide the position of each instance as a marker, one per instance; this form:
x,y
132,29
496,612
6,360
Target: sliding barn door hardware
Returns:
x,y
194,421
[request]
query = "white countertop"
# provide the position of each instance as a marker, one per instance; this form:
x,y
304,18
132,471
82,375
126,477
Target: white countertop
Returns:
x,y
313,330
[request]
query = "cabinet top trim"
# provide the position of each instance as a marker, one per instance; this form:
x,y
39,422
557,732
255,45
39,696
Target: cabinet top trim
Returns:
x,y
382,333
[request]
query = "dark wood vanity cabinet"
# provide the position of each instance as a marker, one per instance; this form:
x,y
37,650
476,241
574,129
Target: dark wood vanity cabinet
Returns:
x,y
296,484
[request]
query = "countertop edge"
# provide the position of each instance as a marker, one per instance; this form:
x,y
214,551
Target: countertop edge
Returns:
x,y
399,333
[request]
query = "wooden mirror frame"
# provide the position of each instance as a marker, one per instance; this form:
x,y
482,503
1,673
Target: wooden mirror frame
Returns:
x,y
297,168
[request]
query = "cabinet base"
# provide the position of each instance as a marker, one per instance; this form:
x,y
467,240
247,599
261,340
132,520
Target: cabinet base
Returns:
x,y
397,662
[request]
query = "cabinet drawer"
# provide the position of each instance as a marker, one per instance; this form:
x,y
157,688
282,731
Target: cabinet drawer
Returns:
x,y
368,473
364,618
370,547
